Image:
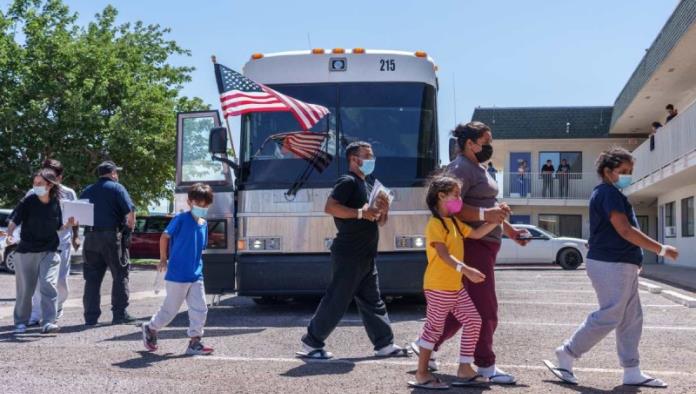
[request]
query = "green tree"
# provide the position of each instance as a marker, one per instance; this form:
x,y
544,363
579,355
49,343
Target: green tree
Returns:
x,y
84,94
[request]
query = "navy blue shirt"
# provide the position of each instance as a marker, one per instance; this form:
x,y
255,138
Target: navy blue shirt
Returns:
x,y
187,240
111,202
605,243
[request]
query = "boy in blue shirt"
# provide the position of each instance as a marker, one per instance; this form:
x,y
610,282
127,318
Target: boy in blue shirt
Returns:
x,y
181,247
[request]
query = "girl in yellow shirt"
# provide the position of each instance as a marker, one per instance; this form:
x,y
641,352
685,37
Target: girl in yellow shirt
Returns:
x,y
442,283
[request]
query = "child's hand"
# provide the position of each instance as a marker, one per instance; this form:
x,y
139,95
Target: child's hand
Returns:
x,y
162,266
473,275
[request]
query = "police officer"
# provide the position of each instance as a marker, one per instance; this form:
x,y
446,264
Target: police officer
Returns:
x,y
114,214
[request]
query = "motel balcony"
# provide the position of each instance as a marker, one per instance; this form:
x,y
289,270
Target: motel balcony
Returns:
x,y
534,188
669,161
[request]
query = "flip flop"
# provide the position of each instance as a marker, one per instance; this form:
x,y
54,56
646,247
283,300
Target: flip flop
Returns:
x,y
432,363
651,382
395,353
432,384
316,354
476,380
502,379
561,373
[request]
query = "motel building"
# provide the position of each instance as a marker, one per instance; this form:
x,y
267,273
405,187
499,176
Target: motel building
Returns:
x,y
664,176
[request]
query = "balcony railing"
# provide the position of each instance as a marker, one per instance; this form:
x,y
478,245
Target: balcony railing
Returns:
x,y
569,186
674,140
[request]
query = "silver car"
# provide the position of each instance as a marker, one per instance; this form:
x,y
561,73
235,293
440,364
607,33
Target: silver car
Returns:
x,y
544,247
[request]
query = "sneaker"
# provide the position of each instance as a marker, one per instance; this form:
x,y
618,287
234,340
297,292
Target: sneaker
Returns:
x,y
149,338
432,363
197,348
20,329
50,328
392,351
125,318
32,323
59,314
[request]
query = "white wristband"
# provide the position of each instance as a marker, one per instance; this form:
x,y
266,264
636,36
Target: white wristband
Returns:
x,y
482,217
459,267
663,251
360,213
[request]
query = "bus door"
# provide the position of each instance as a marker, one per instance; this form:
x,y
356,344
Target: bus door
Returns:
x,y
194,164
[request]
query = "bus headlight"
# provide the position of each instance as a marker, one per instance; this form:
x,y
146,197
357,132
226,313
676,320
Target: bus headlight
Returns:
x,y
410,242
258,244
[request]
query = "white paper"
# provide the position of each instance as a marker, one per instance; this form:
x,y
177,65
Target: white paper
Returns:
x,y
82,211
378,188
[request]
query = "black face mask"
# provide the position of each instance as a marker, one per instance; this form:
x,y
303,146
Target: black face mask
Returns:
x,y
485,154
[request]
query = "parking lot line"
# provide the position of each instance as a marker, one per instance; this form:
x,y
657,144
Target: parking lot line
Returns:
x,y
412,363
514,302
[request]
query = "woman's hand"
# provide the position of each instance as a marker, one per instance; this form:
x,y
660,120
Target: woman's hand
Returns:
x,y
671,252
473,275
371,214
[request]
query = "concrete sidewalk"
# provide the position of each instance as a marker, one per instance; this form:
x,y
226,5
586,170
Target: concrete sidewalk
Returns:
x,y
678,276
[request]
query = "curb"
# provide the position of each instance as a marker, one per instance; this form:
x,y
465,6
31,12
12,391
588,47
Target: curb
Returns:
x,y
682,299
649,287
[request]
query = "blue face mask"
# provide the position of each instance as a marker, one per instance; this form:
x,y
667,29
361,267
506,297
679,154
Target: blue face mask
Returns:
x,y
367,166
624,181
40,191
199,211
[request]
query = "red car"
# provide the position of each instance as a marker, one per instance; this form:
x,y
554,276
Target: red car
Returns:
x,y
149,229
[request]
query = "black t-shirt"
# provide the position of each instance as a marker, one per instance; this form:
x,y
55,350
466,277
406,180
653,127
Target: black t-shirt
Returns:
x,y
564,168
355,237
40,224
547,168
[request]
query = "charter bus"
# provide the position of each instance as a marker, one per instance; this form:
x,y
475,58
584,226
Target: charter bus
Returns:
x,y
281,243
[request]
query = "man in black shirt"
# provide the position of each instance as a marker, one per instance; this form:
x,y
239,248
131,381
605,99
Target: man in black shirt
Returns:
x,y
563,174
547,179
671,112
353,254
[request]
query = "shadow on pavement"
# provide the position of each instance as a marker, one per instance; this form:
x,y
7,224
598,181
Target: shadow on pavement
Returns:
x,y
181,333
147,359
587,389
315,368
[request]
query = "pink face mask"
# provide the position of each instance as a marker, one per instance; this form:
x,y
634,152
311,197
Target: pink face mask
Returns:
x,y
453,206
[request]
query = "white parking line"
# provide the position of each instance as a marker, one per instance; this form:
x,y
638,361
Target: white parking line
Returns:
x,y
412,362
514,302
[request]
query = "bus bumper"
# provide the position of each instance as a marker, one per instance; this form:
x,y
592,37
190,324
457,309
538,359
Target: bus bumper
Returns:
x,y
218,273
400,273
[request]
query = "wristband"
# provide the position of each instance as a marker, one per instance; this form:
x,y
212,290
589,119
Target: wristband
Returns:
x,y
459,267
663,251
360,213
482,217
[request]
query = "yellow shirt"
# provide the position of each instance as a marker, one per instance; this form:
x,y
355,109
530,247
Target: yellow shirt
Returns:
x,y
439,275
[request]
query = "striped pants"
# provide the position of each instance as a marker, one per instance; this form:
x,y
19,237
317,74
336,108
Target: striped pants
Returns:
x,y
440,304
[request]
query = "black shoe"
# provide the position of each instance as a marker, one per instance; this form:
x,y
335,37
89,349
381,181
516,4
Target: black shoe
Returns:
x,y
125,318
91,323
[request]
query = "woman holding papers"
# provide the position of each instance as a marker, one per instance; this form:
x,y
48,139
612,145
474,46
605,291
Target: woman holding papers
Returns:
x,y
40,216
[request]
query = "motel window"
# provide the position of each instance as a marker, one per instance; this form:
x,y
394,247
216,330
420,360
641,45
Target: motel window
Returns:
x,y
687,217
643,224
574,159
669,220
562,225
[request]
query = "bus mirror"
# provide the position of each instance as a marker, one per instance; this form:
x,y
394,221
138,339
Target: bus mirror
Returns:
x,y
217,141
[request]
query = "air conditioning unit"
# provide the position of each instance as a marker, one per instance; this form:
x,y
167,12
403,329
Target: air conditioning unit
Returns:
x,y
670,231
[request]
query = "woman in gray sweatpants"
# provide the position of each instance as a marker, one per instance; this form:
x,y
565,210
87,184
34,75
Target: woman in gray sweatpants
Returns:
x,y
613,263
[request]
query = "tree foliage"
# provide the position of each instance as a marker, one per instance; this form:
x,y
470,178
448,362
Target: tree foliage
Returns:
x,y
83,94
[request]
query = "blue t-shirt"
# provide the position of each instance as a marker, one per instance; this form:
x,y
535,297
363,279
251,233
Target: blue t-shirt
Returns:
x,y
111,202
605,243
187,240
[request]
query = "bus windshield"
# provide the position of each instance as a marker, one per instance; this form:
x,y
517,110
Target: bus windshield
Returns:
x,y
398,119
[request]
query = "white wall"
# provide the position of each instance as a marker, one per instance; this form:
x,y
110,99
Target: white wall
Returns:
x,y
686,245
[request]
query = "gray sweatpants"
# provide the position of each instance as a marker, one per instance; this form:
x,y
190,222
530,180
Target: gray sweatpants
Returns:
x,y
194,295
65,253
30,268
616,285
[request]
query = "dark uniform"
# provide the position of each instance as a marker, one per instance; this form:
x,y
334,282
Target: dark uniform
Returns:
x,y
104,246
353,254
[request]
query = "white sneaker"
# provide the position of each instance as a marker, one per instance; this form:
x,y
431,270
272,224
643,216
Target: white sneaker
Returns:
x,y
20,329
50,328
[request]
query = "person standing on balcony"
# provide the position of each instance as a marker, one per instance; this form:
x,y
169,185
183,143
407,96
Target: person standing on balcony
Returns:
x,y
613,263
547,179
671,112
563,175
655,126
492,171
522,177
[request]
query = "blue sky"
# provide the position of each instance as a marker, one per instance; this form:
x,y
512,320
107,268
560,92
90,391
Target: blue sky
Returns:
x,y
502,53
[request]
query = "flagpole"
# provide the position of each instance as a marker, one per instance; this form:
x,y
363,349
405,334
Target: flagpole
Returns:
x,y
233,153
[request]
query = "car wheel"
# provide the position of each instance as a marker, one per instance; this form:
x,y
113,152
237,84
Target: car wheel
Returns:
x,y
569,258
10,260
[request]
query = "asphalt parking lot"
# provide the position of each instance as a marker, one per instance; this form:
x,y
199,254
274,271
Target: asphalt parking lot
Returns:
x,y
255,345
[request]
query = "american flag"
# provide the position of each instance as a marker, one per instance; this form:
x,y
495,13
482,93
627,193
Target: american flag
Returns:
x,y
240,95
306,145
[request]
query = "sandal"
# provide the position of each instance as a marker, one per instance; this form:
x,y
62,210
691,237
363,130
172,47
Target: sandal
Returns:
x,y
561,373
475,380
316,354
432,384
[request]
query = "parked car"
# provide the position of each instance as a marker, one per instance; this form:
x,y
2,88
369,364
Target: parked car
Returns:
x,y
544,247
146,236
6,251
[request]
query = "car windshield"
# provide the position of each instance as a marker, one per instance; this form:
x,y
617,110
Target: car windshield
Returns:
x,y
398,119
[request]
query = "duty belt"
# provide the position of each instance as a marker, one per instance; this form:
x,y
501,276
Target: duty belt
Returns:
x,y
91,229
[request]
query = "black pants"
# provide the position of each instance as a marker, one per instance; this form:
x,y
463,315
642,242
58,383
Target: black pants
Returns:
x,y
353,278
103,250
547,185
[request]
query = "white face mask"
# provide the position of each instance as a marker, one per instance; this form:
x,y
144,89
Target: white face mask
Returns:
x,y
40,191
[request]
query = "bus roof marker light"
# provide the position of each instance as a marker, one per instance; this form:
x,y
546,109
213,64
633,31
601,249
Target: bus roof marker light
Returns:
x,y
358,51
318,51
421,54
338,50
257,56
